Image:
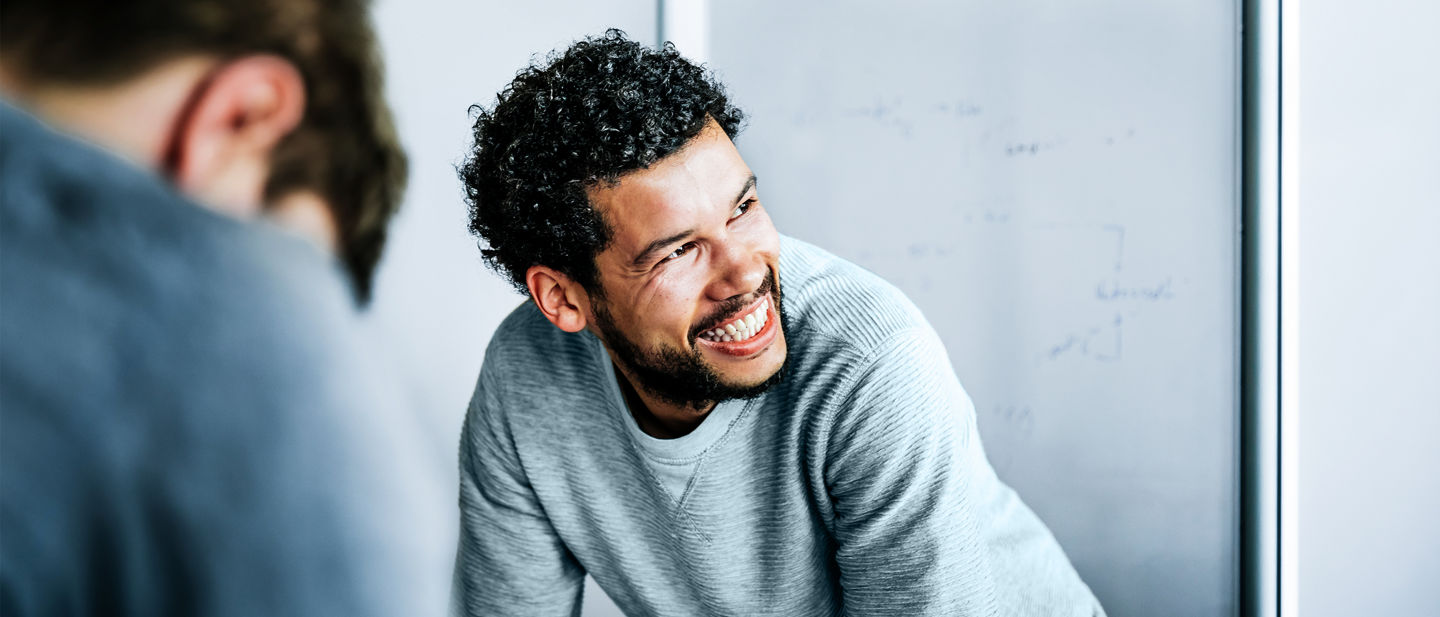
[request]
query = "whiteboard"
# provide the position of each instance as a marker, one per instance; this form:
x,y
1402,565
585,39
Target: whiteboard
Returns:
x,y
1056,185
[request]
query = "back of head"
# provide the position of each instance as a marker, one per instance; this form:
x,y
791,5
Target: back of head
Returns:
x,y
344,149
191,422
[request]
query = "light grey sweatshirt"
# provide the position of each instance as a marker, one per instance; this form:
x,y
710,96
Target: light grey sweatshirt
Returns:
x,y
856,486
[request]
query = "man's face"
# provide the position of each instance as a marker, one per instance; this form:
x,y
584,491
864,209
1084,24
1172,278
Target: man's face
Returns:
x,y
693,253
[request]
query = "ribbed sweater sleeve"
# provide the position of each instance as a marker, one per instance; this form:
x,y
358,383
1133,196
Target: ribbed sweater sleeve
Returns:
x,y
904,460
510,560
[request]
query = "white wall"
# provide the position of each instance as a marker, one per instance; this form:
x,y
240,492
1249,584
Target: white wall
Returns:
x,y
1369,373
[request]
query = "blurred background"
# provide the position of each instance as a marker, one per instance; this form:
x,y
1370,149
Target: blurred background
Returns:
x,y
1057,186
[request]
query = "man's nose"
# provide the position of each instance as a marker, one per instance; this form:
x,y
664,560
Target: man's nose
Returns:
x,y
739,270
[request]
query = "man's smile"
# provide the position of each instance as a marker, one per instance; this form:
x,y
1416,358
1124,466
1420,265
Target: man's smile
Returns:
x,y
745,324
746,334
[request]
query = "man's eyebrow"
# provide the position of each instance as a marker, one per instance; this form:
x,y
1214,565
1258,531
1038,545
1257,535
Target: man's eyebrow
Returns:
x,y
657,245
749,184
645,255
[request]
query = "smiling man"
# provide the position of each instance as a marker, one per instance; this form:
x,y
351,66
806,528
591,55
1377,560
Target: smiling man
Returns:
x,y
708,417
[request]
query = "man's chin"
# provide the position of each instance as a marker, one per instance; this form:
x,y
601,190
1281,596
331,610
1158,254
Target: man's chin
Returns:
x,y
748,380
751,386
701,392
693,378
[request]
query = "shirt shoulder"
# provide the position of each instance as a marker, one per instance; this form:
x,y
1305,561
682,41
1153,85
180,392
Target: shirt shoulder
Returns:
x,y
836,308
183,360
531,365
141,297
526,343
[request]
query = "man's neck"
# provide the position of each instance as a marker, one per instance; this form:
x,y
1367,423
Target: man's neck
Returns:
x,y
659,418
130,118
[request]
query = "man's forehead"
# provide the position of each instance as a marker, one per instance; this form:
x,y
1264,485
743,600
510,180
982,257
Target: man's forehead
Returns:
x,y
645,199
638,215
673,194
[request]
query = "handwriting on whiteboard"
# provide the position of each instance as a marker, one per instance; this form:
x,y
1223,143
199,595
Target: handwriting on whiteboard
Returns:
x,y
911,120
1115,297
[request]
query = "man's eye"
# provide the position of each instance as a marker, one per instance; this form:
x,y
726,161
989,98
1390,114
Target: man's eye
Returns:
x,y
741,209
677,253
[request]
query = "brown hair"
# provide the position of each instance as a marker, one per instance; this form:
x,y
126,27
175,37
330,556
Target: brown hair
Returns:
x,y
345,148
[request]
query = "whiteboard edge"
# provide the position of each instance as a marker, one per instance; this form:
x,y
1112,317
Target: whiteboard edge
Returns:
x,y
1260,308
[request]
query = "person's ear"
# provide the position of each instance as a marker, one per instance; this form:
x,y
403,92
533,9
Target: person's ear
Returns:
x,y
559,297
221,151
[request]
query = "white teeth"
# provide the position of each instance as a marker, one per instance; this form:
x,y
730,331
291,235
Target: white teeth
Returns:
x,y
742,328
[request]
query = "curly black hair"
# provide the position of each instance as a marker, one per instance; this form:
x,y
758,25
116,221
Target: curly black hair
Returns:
x,y
604,107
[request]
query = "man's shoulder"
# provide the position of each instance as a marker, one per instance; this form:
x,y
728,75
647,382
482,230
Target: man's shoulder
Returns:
x,y
524,322
53,180
182,360
538,384
102,256
833,304
525,333
78,211
530,356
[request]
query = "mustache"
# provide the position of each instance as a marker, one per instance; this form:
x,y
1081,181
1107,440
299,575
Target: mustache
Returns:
x,y
727,311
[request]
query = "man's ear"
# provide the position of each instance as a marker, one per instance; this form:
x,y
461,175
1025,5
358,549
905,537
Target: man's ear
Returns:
x,y
562,300
220,153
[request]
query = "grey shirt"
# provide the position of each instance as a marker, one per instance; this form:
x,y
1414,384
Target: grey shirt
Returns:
x,y
188,423
857,486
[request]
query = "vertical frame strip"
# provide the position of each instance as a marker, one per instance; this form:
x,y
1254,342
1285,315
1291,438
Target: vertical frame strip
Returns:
x,y
1260,309
1289,523
686,23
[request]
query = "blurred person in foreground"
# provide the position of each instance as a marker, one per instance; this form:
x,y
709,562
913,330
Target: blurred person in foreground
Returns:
x,y
706,416
189,422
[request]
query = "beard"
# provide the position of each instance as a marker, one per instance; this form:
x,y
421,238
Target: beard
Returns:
x,y
684,378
